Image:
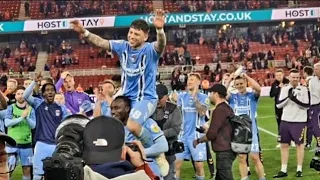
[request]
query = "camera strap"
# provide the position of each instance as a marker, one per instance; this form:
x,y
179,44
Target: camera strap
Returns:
x,y
167,111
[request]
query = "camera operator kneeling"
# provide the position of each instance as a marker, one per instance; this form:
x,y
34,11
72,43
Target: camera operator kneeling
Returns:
x,y
104,154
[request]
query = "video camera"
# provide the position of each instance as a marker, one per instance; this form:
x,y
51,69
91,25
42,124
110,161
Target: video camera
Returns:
x,y
174,148
315,162
66,162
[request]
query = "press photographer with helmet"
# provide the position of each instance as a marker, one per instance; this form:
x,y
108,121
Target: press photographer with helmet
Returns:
x,y
168,117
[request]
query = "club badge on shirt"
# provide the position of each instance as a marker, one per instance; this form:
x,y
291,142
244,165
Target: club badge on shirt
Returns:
x,y
58,113
79,101
155,128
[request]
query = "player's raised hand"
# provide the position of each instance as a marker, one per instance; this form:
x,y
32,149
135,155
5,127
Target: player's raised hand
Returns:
x,y
38,76
159,19
64,74
77,26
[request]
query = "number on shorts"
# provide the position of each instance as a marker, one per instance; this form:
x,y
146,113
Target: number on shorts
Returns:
x,y
255,147
200,155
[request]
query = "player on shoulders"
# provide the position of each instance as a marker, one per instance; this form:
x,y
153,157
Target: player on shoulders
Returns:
x,y
139,63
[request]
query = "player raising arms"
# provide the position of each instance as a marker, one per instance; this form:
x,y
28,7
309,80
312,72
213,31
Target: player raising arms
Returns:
x,y
139,61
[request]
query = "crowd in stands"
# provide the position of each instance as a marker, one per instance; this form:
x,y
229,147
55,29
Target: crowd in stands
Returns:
x,y
201,6
69,9
21,59
211,5
299,48
9,10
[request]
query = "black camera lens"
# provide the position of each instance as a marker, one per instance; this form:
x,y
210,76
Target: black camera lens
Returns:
x,y
56,163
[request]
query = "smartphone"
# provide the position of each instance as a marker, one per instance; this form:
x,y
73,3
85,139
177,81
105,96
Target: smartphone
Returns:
x,y
132,146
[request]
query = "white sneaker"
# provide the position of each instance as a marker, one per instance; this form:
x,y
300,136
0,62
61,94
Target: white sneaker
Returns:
x,y
163,164
278,146
293,144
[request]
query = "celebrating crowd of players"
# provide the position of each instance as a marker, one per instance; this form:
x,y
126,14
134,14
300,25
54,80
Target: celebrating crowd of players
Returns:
x,y
143,99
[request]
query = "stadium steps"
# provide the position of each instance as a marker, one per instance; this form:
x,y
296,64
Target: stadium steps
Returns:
x,y
42,60
157,4
22,12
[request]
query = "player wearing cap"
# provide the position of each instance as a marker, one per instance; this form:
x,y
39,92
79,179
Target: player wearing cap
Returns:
x,y
139,62
220,133
74,99
244,102
20,119
104,98
120,109
4,170
48,117
193,106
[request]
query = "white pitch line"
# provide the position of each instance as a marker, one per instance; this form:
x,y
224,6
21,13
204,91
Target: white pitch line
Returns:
x,y
268,132
265,117
272,149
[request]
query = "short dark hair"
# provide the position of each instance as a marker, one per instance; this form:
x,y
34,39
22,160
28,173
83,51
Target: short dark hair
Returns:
x,y
238,77
125,99
294,71
116,78
43,88
20,88
48,80
140,24
308,70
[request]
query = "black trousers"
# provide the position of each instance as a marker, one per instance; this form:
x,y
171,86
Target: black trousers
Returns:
x,y
278,117
224,162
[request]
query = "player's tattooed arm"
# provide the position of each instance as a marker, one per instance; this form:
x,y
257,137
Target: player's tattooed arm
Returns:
x,y
201,108
78,27
161,42
158,22
98,41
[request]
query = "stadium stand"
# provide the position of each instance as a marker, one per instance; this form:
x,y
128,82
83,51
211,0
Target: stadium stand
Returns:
x,y
21,59
9,10
68,9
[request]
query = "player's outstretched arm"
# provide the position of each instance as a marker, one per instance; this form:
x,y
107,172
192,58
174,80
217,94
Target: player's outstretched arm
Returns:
x,y
158,23
94,39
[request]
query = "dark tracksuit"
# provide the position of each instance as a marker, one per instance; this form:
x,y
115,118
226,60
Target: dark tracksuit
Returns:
x,y
274,93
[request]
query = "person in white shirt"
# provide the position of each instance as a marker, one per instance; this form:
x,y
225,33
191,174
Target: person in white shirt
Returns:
x,y
314,111
295,101
308,75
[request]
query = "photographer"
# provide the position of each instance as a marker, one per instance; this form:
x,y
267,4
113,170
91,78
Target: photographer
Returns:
x,y
168,118
76,157
109,156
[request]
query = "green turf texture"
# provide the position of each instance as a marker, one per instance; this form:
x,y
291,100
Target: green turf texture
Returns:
x,y
271,155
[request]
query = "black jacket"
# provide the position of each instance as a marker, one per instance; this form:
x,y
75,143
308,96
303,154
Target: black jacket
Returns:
x,y
275,89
